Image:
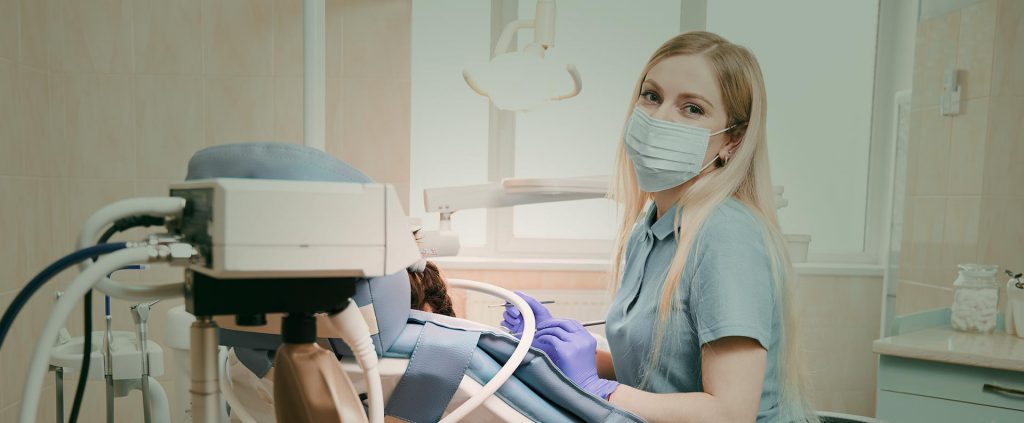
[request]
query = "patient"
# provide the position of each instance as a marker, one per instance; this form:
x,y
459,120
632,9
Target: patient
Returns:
x,y
429,290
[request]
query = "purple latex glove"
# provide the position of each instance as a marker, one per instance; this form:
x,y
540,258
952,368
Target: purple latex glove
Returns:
x,y
513,321
574,350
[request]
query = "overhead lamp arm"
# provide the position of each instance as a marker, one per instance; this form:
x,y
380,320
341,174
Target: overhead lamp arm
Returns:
x,y
543,24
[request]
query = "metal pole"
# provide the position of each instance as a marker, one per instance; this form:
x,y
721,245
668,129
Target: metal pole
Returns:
x,y
58,373
205,387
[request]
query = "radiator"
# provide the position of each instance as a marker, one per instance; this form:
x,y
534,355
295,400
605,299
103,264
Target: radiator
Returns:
x,y
580,304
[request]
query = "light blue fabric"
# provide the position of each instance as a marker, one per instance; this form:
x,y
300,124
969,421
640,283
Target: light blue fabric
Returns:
x,y
537,389
726,290
435,369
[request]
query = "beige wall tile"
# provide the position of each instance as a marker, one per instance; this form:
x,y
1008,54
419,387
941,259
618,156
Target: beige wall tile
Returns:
x,y
1008,64
168,36
934,52
12,146
9,29
99,125
1004,174
238,37
335,38
1002,239
34,33
961,234
909,268
168,124
15,198
930,135
975,46
376,38
34,123
336,117
55,34
288,35
928,224
966,167
48,238
56,157
914,297
97,36
288,110
376,130
239,110
840,302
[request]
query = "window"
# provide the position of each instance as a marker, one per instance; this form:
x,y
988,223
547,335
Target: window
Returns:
x,y
820,90
818,60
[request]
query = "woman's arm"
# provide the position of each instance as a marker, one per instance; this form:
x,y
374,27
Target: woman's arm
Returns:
x,y
605,369
733,374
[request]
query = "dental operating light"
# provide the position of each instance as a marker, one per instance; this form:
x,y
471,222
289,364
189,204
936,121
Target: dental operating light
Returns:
x,y
523,80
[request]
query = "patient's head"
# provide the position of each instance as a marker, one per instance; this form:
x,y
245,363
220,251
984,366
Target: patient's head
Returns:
x,y
429,291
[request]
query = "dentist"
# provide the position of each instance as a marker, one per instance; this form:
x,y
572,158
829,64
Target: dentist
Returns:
x,y
701,326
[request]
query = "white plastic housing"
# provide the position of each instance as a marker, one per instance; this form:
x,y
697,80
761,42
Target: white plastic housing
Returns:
x,y
272,228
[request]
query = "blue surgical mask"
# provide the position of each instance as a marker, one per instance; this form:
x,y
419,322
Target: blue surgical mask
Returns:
x,y
665,154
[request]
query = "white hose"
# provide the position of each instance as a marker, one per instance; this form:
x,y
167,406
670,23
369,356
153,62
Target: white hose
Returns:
x,y
65,305
529,328
157,206
352,327
158,402
227,389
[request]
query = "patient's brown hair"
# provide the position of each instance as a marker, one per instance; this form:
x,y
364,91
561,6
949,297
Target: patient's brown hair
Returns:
x,y
430,291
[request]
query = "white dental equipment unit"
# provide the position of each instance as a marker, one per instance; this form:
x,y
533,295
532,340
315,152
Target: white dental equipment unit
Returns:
x,y
254,247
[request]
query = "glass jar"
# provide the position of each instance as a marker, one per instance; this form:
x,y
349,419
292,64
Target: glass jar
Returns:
x,y
975,298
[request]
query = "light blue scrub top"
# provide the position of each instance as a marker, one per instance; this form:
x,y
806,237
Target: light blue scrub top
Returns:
x,y
726,290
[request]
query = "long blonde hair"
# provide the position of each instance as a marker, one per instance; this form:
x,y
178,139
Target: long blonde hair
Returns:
x,y
746,177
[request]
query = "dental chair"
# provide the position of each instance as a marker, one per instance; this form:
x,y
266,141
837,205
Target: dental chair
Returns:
x,y
430,364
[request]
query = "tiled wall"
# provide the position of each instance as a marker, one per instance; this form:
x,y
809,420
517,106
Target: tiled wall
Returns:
x,y
964,200
107,99
838,318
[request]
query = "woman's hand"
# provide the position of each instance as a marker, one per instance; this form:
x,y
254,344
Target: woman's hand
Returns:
x,y
513,320
574,350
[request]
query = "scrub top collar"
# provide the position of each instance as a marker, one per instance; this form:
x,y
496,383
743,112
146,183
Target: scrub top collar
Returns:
x,y
664,226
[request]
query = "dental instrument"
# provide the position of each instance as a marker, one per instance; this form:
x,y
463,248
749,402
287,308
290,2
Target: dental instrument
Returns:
x,y
129,254
108,364
140,314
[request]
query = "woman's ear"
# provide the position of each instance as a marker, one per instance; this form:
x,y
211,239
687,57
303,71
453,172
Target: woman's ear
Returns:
x,y
735,137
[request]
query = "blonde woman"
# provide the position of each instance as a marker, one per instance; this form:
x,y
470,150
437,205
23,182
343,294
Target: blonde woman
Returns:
x,y
700,329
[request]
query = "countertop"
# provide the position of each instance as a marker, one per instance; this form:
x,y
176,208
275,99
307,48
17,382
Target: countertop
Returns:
x,y
996,351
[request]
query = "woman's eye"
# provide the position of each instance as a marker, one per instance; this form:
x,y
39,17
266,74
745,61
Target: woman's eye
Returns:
x,y
693,109
650,96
